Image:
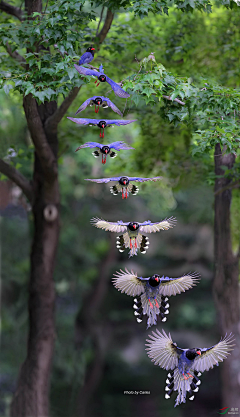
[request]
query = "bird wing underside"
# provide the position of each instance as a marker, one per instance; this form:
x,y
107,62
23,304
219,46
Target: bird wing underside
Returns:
x,y
162,350
108,226
156,227
173,286
217,353
128,282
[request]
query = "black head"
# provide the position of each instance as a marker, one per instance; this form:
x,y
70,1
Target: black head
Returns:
x,y
154,281
98,101
102,78
133,226
102,124
124,181
193,353
90,49
105,150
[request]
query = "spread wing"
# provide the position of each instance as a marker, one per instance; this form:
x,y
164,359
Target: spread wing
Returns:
x,y
86,71
104,180
84,121
112,105
109,226
211,356
139,179
85,104
173,286
149,227
119,122
162,350
90,145
128,282
117,89
119,145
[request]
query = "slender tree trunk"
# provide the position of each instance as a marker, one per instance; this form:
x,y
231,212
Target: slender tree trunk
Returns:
x,y
31,396
226,282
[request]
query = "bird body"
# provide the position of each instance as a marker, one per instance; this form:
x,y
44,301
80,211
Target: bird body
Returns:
x,y
105,149
185,365
102,124
99,101
151,294
102,78
87,57
124,184
132,237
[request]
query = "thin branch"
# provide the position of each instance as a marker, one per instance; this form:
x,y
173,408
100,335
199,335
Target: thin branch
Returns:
x,y
14,175
43,150
101,15
52,122
228,187
176,99
12,10
16,55
106,27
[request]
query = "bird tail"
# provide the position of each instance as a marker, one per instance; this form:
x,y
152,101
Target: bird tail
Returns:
x,y
133,244
144,243
133,189
121,243
96,154
185,387
113,154
158,307
114,190
138,311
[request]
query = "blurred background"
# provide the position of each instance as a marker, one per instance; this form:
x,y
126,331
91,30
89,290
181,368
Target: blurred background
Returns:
x,y
100,349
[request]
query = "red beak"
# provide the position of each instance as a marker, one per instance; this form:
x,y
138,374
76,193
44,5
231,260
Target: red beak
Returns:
x,y
198,352
98,102
93,49
157,279
105,150
124,182
134,226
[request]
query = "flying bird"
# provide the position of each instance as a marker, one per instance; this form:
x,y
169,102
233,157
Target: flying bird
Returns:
x,y
124,185
133,237
105,149
87,57
103,78
185,365
102,124
99,101
152,293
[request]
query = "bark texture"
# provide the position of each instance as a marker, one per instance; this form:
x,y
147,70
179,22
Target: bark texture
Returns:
x,y
226,281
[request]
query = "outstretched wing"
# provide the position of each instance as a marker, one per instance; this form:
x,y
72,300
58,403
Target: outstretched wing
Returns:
x,y
112,105
117,89
162,350
119,145
104,180
149,227
84,121
109,226
90,145
84,105
128,282
139,179
86,71
119,122
211,356
173,286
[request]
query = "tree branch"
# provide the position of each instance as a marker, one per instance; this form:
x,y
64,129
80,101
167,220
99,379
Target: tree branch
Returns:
x,y
228,187
35,126
52,122
16,55
14,175
100,19
106,27
12,10
176,99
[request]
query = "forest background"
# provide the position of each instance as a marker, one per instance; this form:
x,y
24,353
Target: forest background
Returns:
x,y
70,345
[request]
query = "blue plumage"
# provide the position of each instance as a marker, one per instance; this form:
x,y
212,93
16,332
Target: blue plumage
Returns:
x,y
101,123
105,149
99,101
87,57
103,78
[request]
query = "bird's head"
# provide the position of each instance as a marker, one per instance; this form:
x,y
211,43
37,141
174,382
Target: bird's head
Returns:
x,y
154,281
105,150
90,49
124,181
133,226
102,124
193,353
102,78
98,101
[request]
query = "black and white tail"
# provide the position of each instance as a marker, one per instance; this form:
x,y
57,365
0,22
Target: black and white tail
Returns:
x,y
114,190
144,244
120,243
138,311
142,307
96,154
186,387
113,154
134,190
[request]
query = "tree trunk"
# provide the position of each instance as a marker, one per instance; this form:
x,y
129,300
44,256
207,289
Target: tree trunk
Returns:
x,y
32,392
226,281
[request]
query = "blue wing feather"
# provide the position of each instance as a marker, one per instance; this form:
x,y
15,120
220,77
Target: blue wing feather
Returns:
x,y
84,105
85,58
119,122
86,71
90,145
104,180
139,179
117,89
84,121
119,145
112,105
